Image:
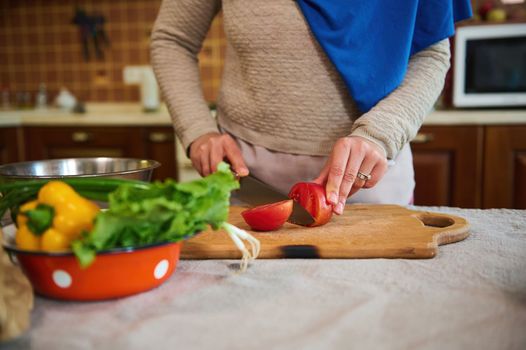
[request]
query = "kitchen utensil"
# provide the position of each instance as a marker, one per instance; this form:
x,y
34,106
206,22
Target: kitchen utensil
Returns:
x,y
65,99
127,168
254,192
91,27
115,273
41,97
362,231
149,89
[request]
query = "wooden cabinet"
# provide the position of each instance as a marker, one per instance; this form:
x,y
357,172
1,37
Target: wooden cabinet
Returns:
x,y
67,142
136,142
160,145
448,165
471,166
505,167
10,144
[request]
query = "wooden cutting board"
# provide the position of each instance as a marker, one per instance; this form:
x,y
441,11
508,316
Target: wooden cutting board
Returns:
x,y
363,231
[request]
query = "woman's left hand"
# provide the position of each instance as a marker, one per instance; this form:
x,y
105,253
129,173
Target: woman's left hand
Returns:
x,y
351,156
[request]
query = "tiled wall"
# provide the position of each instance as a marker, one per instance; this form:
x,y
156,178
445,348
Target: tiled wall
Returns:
x,y
39,43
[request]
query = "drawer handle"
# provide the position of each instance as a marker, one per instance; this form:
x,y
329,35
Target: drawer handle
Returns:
x,y
158,137
423,137
80,136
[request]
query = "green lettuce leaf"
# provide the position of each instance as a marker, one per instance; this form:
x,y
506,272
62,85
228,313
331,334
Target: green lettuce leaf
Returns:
x,y
162,212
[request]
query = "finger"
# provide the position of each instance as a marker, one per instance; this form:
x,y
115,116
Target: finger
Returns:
x,y
366,168
196,163
216,154
205,163
322,178
233,153
353,191
195,157
354,163
377,173
338,164
368,164
196,151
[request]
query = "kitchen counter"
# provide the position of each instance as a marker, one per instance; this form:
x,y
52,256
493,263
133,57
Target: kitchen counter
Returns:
x,y
476,117
471,296
130,114
121,114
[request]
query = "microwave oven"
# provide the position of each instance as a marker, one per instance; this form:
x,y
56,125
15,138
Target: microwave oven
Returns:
x,y
489,67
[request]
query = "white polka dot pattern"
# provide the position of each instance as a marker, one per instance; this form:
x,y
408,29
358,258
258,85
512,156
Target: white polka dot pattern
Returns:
x,y
161,269
62,278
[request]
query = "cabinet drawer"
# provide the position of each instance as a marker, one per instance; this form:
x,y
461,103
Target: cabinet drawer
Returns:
x,y
448,165
160,145
10,145
66,142
505,167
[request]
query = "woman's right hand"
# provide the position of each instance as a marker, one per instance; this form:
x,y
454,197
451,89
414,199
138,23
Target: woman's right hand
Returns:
x,y
208,150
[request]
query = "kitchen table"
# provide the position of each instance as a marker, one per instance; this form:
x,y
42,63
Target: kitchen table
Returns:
x,y
471,296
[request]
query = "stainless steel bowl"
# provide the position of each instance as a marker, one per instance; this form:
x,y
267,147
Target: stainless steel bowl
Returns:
x,y
124,168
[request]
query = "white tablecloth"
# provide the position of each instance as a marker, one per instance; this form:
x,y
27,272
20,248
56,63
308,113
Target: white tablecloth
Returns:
x,y
471,296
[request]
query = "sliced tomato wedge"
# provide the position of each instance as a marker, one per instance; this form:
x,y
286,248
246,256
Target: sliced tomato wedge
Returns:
x,y
311,196
268,217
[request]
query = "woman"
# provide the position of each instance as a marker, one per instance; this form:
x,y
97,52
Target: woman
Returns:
x,y
284,113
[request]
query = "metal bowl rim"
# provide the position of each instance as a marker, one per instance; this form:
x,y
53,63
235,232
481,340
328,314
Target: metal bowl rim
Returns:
x,y
153,164
12,249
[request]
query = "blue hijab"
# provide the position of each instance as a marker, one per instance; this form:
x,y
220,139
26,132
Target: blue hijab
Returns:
x,y
370,42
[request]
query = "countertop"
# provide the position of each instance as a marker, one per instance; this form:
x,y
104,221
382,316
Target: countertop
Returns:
x,y
104,114
131,114
472,295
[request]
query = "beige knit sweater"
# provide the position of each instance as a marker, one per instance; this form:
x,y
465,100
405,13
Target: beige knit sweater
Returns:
x,y
279,90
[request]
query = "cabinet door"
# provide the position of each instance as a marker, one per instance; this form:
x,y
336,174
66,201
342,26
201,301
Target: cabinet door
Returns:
x,y
505,167
448,166
66,142
160,146
10,143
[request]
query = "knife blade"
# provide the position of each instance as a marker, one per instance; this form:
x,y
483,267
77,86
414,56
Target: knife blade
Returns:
x,y
254,192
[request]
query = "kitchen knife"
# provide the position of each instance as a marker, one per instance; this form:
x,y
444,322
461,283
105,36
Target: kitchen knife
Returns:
x,y
255,192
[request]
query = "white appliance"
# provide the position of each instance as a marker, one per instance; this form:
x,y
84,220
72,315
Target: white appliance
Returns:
x,y
144,76
490,66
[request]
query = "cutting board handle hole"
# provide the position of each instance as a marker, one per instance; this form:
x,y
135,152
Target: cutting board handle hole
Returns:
x,y
436,221
305,251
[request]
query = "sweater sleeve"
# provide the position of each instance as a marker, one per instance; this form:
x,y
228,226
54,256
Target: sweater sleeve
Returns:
x,y
177,37
395,120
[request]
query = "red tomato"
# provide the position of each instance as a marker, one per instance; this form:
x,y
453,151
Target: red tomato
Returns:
x,y
268,217
311,196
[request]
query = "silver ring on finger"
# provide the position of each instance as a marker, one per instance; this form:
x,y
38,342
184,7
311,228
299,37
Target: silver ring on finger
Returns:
x,y
364,177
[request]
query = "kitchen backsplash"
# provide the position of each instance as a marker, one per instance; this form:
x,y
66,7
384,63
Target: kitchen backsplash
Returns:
x,y
40,44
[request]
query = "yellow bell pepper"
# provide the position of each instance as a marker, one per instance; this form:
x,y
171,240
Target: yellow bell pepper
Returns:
x,y
27,240
21,219
72,214
54,240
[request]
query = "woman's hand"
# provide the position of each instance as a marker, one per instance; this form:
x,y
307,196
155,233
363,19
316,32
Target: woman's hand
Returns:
x,y
208,150
351,155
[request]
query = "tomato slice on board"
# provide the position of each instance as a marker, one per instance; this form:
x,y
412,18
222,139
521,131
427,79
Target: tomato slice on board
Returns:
x,y
311,196
268,217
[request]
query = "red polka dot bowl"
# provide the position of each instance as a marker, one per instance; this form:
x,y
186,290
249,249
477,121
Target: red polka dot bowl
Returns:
x,y
115,273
